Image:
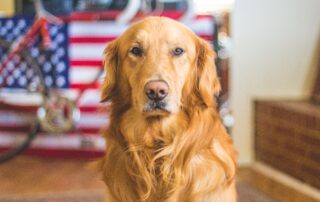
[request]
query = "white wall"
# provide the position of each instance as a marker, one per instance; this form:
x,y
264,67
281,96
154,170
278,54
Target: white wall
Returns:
x,y
274,56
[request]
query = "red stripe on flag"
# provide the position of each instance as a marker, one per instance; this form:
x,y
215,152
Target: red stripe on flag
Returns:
x,y
204,16
84,130
15,127
170,14
84,85
206,37
18,108
93,16
86,63
91,39
31,109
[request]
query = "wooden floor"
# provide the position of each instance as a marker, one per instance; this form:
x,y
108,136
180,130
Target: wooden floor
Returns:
x,y
271,187
34,175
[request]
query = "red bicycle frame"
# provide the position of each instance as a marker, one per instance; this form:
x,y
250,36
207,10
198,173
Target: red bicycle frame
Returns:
x,y
42,25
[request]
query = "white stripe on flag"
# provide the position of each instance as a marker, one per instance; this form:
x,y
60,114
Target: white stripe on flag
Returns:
x,y
93,120
86,51
99,29
10,118
87,119
83,75
90,97
55,141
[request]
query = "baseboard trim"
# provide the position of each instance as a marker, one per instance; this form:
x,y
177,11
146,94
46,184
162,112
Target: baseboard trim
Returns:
x,y
287,180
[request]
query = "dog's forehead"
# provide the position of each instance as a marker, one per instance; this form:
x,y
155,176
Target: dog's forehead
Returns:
x,y
153,28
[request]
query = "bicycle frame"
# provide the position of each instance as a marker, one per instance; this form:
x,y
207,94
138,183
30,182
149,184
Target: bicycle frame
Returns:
x,y
40,24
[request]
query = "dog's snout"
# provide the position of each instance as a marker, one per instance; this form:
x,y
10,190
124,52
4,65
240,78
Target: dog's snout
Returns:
x,y
156,90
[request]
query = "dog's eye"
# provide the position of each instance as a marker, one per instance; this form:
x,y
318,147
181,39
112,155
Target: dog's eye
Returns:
x,y
136,51
177,51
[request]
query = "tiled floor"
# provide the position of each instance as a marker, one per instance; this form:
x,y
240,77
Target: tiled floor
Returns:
x,y
37,176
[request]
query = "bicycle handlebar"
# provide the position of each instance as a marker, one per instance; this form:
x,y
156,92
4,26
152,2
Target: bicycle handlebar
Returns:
x,y
129,12
41,12
190,13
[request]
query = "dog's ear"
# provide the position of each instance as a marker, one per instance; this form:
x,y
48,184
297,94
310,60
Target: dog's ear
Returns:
x,y
110,62
208,83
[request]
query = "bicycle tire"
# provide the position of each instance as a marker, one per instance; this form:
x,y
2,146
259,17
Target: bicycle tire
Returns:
x,y
13,151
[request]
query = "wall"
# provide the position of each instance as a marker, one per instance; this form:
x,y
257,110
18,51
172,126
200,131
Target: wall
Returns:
x,y
273,57
6,7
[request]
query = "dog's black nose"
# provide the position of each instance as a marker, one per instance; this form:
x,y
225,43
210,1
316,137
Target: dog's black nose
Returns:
x,y
156,90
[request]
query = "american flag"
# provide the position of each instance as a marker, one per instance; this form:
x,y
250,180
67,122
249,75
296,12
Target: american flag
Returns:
x,y
76,49
53,61
76,57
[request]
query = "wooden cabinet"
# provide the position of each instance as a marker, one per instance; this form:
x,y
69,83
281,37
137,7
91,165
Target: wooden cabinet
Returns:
x,y
287,137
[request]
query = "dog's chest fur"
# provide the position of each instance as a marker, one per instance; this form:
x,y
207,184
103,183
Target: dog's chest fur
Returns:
x,y
161,163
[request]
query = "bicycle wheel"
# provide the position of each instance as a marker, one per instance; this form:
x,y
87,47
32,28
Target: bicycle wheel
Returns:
x,y
21,91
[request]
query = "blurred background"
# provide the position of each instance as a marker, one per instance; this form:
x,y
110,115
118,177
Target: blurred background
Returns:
x,y
268,61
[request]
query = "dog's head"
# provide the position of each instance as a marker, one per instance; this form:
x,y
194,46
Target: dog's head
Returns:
x,y
159,66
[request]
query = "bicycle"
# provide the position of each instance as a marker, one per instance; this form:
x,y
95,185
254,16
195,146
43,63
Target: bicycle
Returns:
x,y
56,113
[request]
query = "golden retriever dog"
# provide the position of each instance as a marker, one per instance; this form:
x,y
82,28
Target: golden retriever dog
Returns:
x,y
165,140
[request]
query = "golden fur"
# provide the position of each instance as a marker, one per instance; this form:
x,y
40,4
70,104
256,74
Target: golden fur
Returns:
x,y
181,154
